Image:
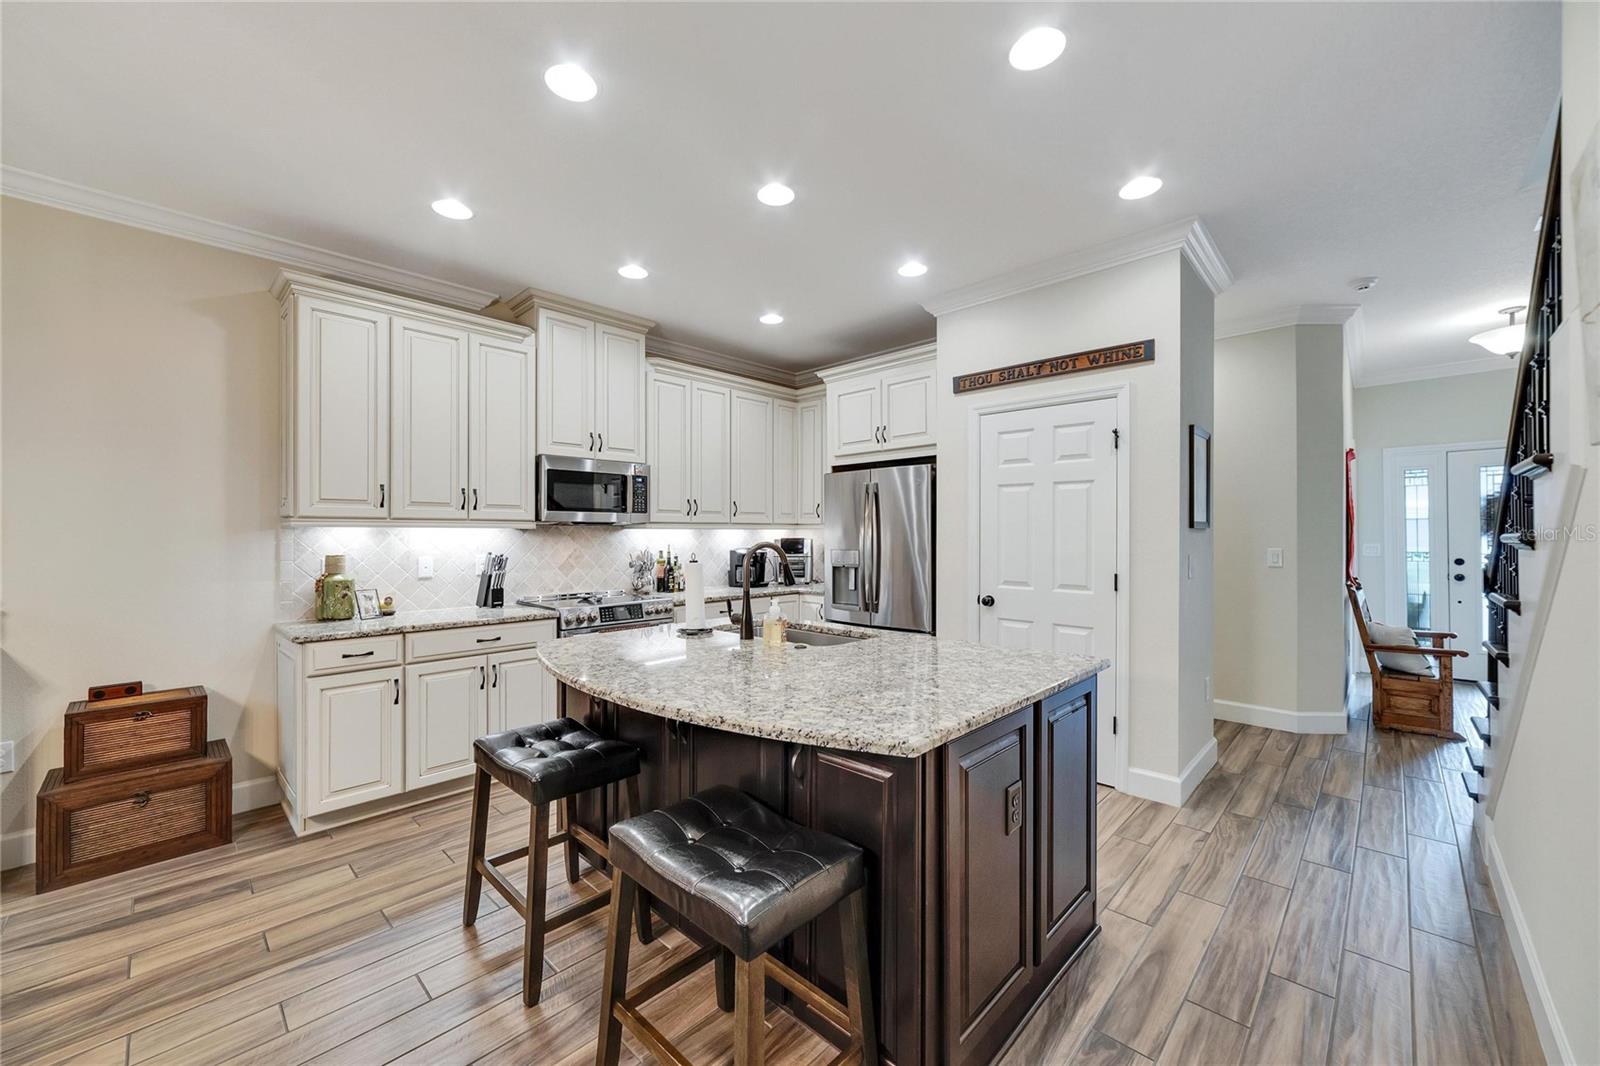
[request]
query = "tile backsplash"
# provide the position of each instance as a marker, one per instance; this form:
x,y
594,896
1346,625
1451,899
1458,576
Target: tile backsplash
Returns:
x,y
546,559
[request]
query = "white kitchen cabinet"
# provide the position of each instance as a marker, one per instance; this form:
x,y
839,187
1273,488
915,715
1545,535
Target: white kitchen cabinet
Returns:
x,y
752,458
342,410
671,448
884,404
710,466
785,472
803,608
591,388
447,708
521,691
809,461
396,408
428,416
354,739
501,423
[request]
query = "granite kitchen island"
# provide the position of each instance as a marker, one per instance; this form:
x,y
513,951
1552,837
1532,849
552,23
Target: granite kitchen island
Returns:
x,y
965,772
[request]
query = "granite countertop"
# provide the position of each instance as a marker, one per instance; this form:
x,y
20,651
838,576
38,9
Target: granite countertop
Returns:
x,y
410,622
888,693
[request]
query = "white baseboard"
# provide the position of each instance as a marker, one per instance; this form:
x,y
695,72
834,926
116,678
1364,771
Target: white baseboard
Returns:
x,y
17,849
1167,788
1552,1037
1278,718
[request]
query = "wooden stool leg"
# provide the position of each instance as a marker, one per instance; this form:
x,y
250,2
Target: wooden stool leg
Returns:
x,y
858,977
724,981
614,981
480,831
646,930
570,809
749,1011
533,926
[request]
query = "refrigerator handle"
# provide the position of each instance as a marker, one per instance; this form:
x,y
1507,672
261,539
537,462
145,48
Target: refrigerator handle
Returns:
x,y
877,551
867,548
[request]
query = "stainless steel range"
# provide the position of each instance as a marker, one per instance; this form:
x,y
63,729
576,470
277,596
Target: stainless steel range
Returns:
x,y
600,612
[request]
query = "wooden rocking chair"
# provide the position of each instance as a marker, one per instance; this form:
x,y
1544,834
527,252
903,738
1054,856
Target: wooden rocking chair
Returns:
x,y
1413,703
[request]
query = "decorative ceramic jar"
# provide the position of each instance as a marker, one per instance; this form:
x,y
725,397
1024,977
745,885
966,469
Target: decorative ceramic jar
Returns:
x,y
336,591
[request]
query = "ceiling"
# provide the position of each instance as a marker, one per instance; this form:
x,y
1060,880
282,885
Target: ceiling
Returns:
x,y
1317,142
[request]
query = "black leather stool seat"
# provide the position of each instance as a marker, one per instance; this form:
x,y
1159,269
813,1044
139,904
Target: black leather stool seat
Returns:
x,y
550,761
741,873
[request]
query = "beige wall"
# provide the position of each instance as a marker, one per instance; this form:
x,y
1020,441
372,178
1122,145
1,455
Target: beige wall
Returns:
x,y
140,402
1144,299
1468,407
1279,631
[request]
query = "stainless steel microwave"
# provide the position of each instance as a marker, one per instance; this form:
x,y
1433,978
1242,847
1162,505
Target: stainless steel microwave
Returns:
x,y
600,491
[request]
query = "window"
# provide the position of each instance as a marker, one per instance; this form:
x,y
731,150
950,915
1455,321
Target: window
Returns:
x,y
1419,608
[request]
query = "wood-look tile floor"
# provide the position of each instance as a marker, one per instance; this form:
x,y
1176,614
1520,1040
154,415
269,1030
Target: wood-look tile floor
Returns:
x,y
1319,899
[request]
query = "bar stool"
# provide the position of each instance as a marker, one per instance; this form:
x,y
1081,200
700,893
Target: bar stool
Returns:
x,y
547,763
747,878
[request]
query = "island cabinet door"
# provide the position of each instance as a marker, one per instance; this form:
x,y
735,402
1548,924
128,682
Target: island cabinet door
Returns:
x,y
1066,802
988,886
871,801
705,757
651,734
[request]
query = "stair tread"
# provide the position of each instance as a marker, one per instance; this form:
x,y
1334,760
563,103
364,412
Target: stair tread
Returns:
x,y
1521,541
1509,603
1481,724
1534,465
1473,784
1497,652
1475,758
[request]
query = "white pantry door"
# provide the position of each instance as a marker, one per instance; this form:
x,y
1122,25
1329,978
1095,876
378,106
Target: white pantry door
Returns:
x,y
1047,531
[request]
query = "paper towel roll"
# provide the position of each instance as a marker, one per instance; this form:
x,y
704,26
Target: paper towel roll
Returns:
x,y
694,594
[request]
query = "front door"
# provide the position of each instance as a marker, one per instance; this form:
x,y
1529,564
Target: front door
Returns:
x,y
1472,486
1047,530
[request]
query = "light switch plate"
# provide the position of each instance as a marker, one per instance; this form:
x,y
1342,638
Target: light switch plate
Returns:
x,y
424,566
1372,551
1275,558
8,756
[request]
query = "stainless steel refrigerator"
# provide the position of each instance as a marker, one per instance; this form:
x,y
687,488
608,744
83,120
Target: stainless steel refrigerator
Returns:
x,y
878,535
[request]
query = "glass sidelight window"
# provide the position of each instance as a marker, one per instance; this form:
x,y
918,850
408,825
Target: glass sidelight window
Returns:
x,y
1419,606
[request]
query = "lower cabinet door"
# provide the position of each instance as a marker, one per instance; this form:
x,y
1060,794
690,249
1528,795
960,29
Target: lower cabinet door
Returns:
x,y
355,741
988,885
521,691
446,710
1066,797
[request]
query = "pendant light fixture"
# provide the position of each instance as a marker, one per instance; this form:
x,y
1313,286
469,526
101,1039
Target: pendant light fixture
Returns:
x,y
1504,340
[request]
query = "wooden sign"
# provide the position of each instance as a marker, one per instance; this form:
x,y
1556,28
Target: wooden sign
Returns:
x,y
1096,359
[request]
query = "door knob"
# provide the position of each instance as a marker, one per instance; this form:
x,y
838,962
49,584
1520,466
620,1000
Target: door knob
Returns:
x,y
987,601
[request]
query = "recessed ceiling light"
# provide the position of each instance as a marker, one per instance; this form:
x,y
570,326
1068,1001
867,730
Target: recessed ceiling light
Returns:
x,y
912,268
772,318
1140,187
450,207
1039,47
775,194
571,82
633,271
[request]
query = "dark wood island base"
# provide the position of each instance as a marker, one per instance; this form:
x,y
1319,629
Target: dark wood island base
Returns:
x,y
980,858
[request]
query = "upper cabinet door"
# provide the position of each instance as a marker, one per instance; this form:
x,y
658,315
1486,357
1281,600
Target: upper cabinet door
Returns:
x,y
752,458
566,384
908,407
342,410
785,472
709,467
428,372
671,448
856,408
808,461
502,482
619,394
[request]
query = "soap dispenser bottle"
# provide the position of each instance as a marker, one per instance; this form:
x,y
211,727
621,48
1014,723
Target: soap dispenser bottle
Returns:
x,y
772,627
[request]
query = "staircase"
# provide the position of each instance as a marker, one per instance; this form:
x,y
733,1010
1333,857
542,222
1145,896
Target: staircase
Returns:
x,y
1529,457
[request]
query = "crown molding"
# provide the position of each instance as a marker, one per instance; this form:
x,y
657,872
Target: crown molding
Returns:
x,y
528,300
694,356
882,360
53,192
294,282
1480,365
1298,315
1188,236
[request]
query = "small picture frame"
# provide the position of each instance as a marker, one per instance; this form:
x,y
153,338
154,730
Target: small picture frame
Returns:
x,y
367,603
1199,477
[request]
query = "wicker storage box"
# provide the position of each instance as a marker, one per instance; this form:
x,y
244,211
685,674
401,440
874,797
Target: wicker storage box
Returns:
x,y
110,822
112,735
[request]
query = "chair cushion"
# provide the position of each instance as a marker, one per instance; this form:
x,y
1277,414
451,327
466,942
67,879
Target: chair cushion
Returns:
x,y
742,874
1399,662
552,760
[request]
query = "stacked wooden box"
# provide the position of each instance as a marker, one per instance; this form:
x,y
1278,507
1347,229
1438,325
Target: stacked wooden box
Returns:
x,y
140,784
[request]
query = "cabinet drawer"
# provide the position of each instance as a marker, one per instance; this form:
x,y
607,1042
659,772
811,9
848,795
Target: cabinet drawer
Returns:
x,y
116,822
440,643
122,734
359,653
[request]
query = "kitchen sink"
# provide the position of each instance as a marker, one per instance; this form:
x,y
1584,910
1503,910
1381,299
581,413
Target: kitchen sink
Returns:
x,y
810,637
